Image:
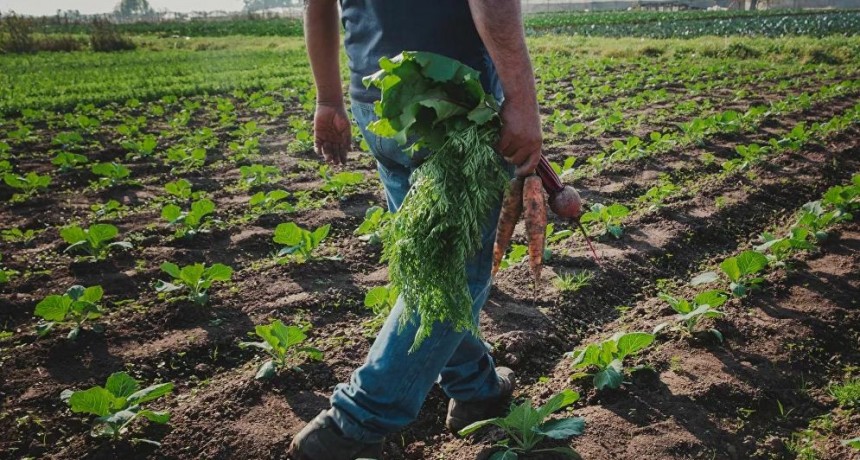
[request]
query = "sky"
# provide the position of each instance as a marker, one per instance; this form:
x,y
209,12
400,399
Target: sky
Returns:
x,y
50,7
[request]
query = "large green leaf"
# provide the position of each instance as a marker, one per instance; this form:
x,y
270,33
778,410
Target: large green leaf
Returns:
x,y
319,234
561,400
171,213
219,272
53,308
191,274
202,207
506,454
121,384
288,233
150,393
288,336
95,401
608,378
715,298
171,269
632,342
751,262
562,429
99,233
376,296
160,417
731,269
469,429
92,294
73,234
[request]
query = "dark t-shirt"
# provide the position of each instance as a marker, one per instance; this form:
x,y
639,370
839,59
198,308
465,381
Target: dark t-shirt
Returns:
x,y
376,28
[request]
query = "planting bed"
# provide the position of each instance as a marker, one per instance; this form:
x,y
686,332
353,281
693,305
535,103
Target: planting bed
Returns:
x,y
763,392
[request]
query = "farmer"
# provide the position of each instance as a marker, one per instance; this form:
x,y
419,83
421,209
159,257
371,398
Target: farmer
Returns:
x,y
386,393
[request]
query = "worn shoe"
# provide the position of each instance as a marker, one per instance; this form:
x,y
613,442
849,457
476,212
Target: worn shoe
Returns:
x,y
463,413
321,439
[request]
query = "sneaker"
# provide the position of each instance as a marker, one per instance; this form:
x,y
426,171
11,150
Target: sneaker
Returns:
x,y
464,413
321,439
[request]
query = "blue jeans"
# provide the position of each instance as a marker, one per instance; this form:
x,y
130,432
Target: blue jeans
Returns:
x,y
386,393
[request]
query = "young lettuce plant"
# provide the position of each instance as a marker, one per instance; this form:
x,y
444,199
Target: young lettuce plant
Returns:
x,y
191,222
195,278
283,344
608,357
526,427
704,305
95,240
299,243
741,270
74,308
118,404
606,219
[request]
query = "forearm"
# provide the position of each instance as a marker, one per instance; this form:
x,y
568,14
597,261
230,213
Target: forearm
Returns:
x,y
500,25
322,37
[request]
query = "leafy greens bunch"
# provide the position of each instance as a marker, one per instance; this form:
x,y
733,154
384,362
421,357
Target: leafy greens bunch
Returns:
x,y
433,102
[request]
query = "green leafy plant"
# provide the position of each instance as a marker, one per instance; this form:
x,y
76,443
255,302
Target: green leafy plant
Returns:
x,y
853,443
191,222
847,393
270,202
339,183
527,426
380,300
704,305
778,250
515,255
742,271
195,278
68,161
257,175
95,240
283,344
573,282
299,243
608,357
371,228
118,404
815,218
108,210
845,198
565,168
29,184
181,189
77,305
606,219
656,195
186,159
111,174
140,148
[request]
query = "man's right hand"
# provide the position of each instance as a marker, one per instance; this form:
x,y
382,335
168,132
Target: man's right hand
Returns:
x,y
332,132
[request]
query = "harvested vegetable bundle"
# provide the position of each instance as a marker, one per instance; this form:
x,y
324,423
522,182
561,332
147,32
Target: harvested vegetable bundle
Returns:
x,y
438,103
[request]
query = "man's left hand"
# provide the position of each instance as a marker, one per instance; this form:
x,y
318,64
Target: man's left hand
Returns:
x,y
332,132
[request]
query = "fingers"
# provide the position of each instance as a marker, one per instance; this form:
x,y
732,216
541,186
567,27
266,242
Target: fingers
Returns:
x,y
528,167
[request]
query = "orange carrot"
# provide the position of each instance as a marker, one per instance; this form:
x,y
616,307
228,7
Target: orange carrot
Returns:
x,y
512,207
535,216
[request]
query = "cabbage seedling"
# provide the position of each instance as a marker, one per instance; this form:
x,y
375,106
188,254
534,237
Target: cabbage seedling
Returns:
x,y
380,300
75,307
608,357
270,202
111,174
300,243
195,278
117,404
704,305
28,184
339,183
741,270
191,222
526,427
94,240
66,161
607,219
282,343
370,229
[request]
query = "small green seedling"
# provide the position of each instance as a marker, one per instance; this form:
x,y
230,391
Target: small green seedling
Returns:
x,y
191,222
380,300
118,404
845,198
606,219
181,189
95,240
111,174
5,273
526,427
29,184
195,278
257,175
741,270
608,357
16,235
778,250
704,305
74,308
816,219
140,148
371,228
339,183
299,243
282,343
270,202
515,255
67,161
